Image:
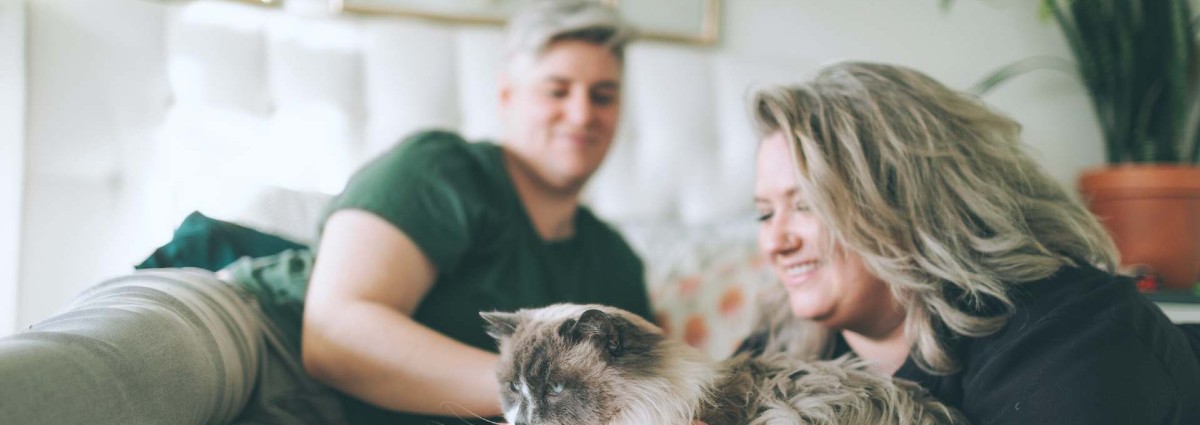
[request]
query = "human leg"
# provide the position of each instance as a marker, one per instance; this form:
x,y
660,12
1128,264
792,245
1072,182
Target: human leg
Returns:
x,y
153,347
286,394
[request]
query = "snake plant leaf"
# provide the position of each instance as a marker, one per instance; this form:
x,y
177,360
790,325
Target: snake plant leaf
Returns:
x,y
1139,61
1021,67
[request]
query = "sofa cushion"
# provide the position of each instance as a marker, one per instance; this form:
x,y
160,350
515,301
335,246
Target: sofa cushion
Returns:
x,y
705,281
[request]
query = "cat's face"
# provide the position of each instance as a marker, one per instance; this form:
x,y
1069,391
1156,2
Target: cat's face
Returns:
x,y
567,364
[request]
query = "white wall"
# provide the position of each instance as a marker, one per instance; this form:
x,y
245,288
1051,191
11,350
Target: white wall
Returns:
x,y
12,156
84,220
96,85
957,47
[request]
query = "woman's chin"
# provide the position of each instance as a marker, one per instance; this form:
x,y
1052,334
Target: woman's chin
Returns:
x,y
806,309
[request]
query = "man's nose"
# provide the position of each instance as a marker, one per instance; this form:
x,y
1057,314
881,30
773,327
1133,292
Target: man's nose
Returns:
x,y
580,109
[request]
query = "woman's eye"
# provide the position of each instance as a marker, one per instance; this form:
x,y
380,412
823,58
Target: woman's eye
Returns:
x,y
800,206
763,216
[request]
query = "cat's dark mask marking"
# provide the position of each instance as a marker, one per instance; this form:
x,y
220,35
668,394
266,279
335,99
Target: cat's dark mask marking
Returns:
x,y
613,334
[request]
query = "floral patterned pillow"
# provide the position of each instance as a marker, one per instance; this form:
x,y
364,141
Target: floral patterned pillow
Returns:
x,y
704,280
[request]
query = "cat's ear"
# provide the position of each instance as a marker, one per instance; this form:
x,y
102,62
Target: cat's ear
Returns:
x,y
500,325
601,328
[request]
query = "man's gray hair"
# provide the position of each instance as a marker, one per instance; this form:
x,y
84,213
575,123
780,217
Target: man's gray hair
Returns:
x,y
533,30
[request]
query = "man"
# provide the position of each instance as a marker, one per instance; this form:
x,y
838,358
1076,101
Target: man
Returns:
x,y
422,239
439,229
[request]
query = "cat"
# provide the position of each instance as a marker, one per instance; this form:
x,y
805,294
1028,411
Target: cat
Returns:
x,y
592,364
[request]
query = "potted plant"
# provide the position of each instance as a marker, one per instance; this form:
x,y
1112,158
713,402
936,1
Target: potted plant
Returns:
x,y
1139,63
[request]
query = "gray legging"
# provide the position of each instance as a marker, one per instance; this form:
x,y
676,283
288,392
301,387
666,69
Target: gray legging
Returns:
x,y
168,346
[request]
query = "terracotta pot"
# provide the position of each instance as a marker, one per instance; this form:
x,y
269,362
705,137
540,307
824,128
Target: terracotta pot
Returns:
x,y
1153,214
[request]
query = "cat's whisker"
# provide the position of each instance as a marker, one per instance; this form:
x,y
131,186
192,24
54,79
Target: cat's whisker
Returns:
x,y
454,410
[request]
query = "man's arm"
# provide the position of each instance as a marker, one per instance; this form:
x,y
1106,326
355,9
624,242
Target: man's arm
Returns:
x,y
359,335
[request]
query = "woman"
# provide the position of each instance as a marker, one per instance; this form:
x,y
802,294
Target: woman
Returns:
x,y
905,221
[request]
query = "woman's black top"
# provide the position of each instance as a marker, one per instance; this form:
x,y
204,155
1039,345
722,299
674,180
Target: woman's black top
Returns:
x,y
1082,347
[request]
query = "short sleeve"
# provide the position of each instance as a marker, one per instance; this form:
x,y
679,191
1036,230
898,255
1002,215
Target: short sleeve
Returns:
x,y
431,187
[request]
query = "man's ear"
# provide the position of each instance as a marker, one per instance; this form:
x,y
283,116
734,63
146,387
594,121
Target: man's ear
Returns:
x,y
505,84
500,325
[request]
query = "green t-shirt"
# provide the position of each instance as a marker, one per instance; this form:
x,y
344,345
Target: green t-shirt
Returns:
x,y
456,201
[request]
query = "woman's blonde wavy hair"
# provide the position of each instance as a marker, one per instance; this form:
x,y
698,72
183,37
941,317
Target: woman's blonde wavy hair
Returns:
x,y
933,190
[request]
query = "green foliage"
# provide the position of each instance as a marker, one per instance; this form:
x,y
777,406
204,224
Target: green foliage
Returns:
x,y
1138,62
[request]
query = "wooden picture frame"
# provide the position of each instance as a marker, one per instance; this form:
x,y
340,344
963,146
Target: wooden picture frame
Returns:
x,y
265,3
681,21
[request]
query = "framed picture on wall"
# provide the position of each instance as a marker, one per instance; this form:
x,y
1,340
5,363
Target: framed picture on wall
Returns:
x,y
686,21
263,2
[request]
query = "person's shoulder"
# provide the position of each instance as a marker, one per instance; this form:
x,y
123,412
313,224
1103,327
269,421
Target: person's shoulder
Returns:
x,y
1080,338
433,155
429,146
427,174
1074,304
1067,369
1075,293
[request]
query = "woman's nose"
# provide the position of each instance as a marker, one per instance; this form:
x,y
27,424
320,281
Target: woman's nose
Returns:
x,y
779,238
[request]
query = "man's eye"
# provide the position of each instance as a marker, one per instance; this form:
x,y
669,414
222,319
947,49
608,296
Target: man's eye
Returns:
x,y
603,99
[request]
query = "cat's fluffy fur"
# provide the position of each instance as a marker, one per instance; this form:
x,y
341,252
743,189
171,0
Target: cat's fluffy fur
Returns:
x,y
574,364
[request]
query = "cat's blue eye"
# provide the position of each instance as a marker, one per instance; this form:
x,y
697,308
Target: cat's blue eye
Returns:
x,y
556,389
513,386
